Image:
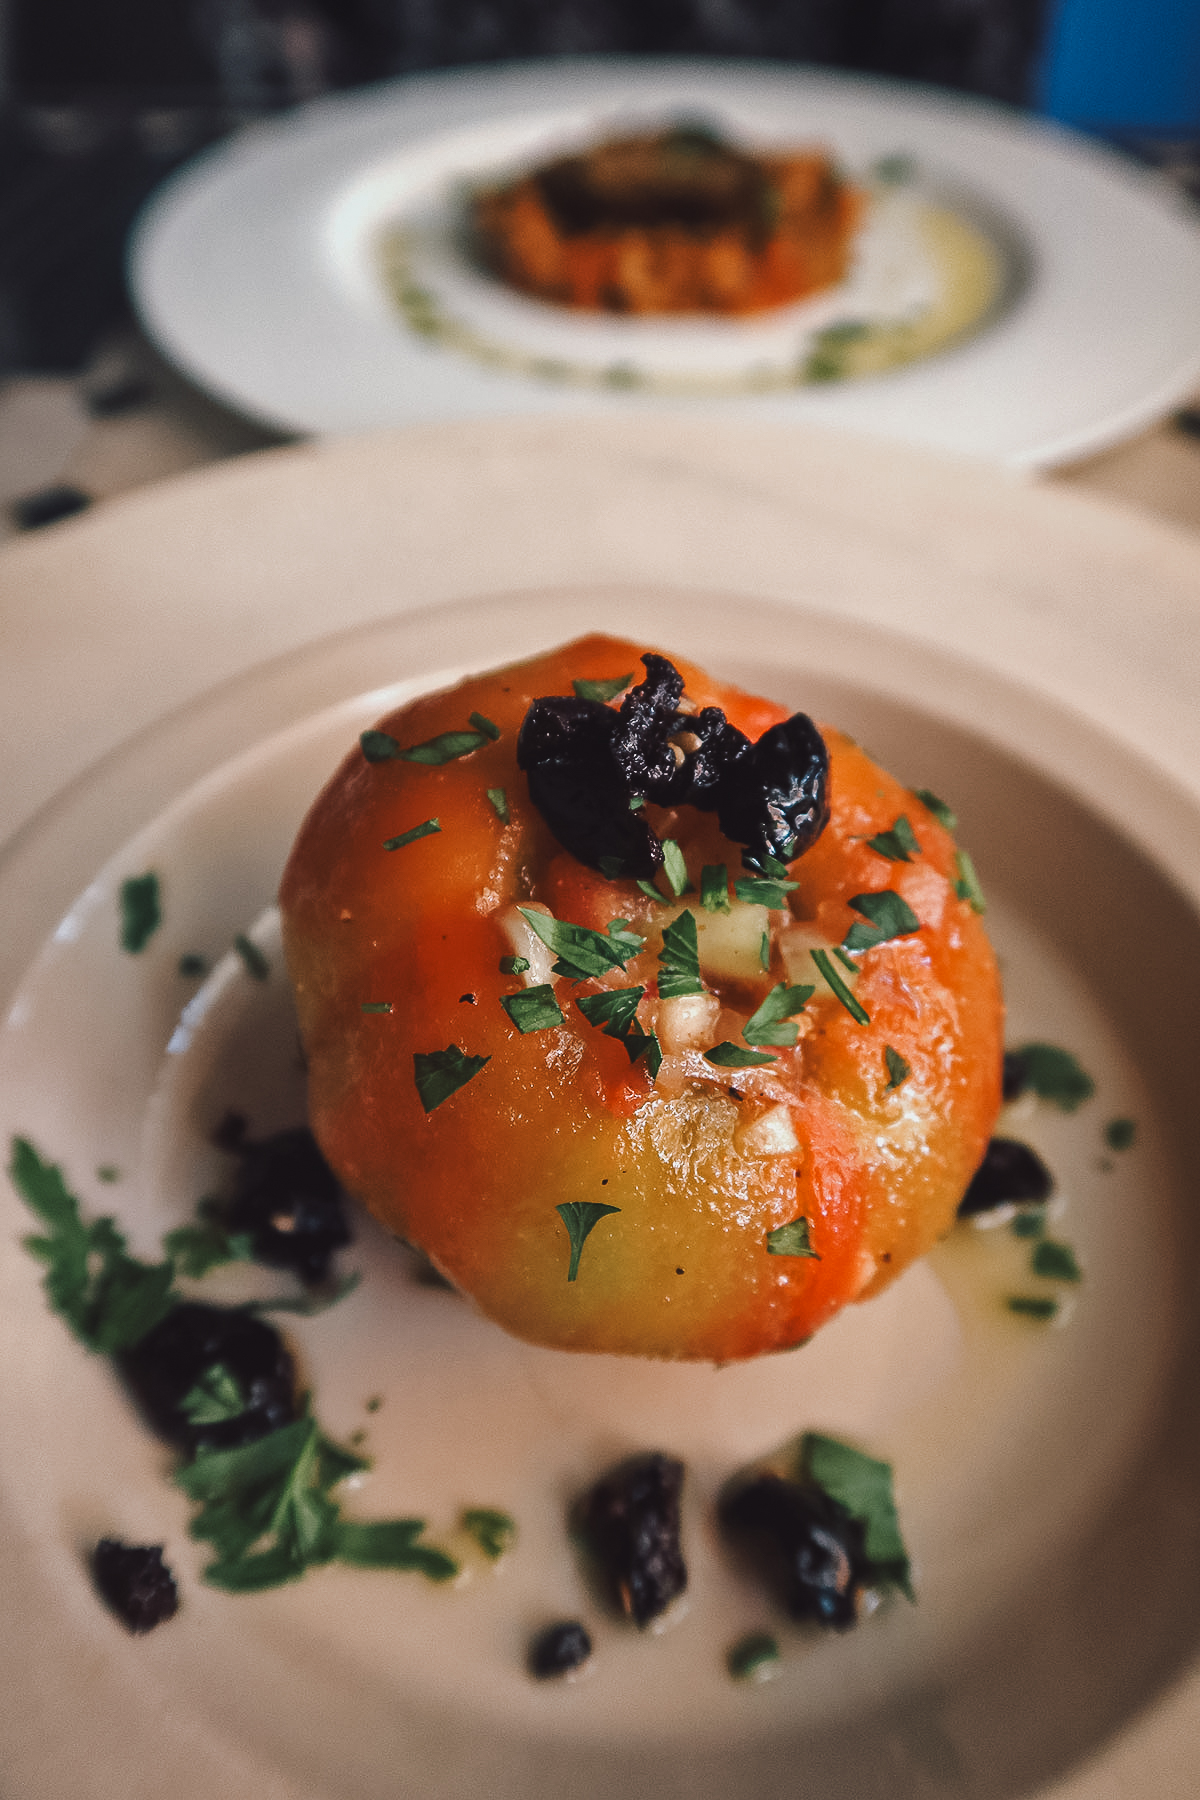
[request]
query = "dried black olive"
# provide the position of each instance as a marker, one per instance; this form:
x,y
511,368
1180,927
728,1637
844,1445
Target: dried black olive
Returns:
x,y
630,1521
287,1200
806,1548
775,800
559,1649
565,748
170,1363
1014,1080
1010,1172
136,1583
641,739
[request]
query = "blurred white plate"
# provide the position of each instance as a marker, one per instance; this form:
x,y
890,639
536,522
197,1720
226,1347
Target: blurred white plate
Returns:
x,y
1039,669
259,269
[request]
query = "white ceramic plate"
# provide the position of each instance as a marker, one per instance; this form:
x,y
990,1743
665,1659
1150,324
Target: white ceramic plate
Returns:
x,y
260,268
1034,1468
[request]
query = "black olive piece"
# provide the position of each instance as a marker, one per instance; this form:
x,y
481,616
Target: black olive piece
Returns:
x,y
710,767
1010,1172
559,1649
565,748
135,1582
775,800
630,1520
164,1367
641,740
287,1200
806,1548
1014,1080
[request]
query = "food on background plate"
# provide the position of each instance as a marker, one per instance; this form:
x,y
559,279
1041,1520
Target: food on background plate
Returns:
x,y
663,1023
674,221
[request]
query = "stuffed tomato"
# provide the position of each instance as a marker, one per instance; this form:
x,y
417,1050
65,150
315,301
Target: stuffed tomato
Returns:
x,y
662,1022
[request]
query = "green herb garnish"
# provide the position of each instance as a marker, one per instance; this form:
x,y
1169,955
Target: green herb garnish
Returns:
x,y
735,1056
376,1006
604,691
753,1657
1120,1134
535,1009
206,1242
499,800
863,1486
486,726
649,888
898,1069
448,746
1056,1075
429,828
308,1305
841,991
674,867
679,958
764,952
1032,1306
392,1544
108,1172
1057,1261
767,1025
762,890
108,1298
217,1397
141,911
944,814
581,1218
493,1531
714,888
889,916
581,952
615,1012
253,960
899,844
967,886
791,1240
514,965
1030,1222
440,1073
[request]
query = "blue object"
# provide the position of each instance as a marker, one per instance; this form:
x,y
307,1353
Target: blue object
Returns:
x,y
1124,66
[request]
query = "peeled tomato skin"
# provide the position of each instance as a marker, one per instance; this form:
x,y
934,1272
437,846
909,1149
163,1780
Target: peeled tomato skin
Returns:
x,y
682,1269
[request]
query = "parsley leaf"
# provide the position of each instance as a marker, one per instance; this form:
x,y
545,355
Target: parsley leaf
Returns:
x,y
941,812
1056,1261
615,1012
253,960
391,1544
760,890
714,888
1055,1075
514,965
448,746
141,911
108,1298
791,1240
582,952
898,1069
863,1486
604,691
753,1657
967,886
679,958
207,1243
376,1006
766,1025
217,1397
428,829
493,1531
534,1009
440,1073
733,1056
674,867
890,916
499,800
1120,1134
647,887
581,1218
488,728
1032,1306
899,844
839,987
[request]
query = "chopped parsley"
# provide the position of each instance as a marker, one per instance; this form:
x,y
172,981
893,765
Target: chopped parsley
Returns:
x,y
376,1006
1029,1222
768,1024
791,1240
841,991
615,1012
647,887
1120,1134
141,911
944,814
603,691
499,802
1054,1075
764,952
429,828
753,1658
899,844
488,728
1033,1306
582,952
679,958
440,1073
206,1242
763,890
967,886
581,1218
514,965
714,888
674,867
217,1397
253,960
863,1486
735,1056
1057,1261
889,916
898,1068
534,1009
448,746
493,1531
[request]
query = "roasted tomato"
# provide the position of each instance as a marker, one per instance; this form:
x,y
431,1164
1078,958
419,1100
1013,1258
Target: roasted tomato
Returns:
x,y
602,1183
